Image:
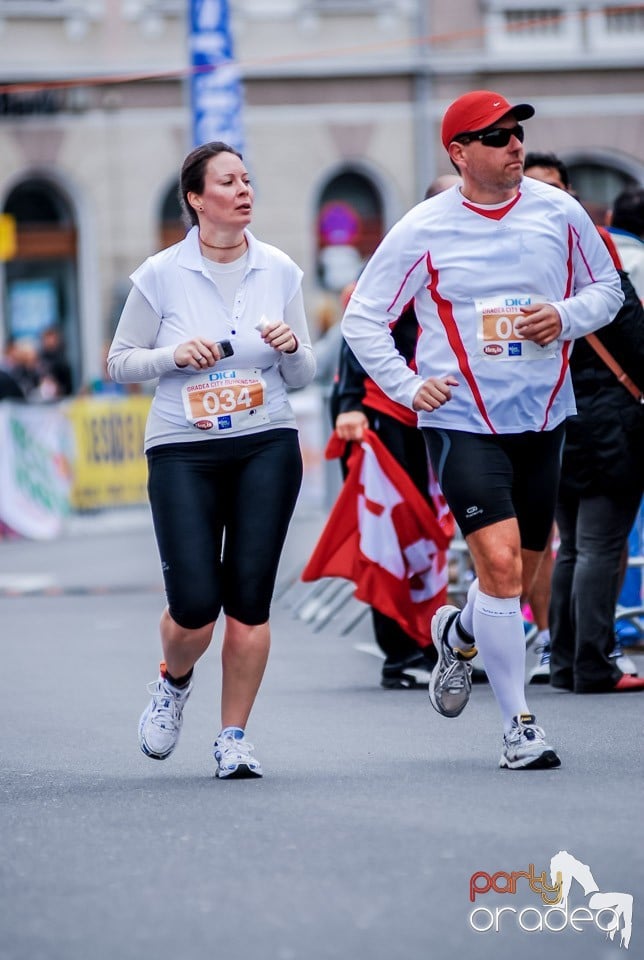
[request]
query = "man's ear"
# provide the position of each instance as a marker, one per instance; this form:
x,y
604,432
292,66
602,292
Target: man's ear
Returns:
x,y
456,154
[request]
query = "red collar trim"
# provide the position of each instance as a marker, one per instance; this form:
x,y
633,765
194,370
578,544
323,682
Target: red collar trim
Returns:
x,y
497,213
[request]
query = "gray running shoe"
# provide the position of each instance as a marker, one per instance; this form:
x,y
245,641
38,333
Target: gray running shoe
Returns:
x,y
161,721
450,684
525,747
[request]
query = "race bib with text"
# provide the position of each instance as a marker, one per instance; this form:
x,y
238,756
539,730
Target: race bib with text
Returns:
x,y
225,400
497,336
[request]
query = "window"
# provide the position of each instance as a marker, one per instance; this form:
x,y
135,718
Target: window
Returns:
x,y
534,30
597,184
33,9
617,27
534,23
622,20
346,6
350,227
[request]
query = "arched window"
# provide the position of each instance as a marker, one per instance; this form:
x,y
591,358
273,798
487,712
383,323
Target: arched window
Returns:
x,y
597,182
41,284
172,228
350,225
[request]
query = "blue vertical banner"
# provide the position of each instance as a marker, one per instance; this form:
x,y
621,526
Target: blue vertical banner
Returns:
x,y
216,91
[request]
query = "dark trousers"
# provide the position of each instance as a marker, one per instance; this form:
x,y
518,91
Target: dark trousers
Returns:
x,y
408,448
585,586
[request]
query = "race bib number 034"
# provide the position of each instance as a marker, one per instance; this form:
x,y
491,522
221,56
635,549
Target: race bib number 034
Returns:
x,y
498,337
225,400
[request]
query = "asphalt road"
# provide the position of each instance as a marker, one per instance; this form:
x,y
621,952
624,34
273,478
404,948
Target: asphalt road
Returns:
x,y
361,840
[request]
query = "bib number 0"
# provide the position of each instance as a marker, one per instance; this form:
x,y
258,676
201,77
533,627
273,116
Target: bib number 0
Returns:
x,y
497,334
226,400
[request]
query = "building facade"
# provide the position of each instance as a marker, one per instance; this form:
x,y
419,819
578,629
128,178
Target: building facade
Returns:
x,y
342,108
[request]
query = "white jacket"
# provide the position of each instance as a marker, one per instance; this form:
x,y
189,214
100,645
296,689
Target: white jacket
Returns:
x,y
184,302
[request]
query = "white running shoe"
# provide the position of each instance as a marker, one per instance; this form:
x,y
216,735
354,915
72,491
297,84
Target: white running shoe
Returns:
x,y
450,683
540,672
161,721
525,747
234,757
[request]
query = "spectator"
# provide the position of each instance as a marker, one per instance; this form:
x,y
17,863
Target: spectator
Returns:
x,y
21,361
626,227
54,365
548,168
357,404
602,480
9,387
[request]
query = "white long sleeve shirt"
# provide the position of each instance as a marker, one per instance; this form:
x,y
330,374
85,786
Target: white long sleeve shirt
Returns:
x,y
468,269
174,298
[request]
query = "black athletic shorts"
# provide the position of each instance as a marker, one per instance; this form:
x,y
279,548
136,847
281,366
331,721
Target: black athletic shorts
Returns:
x,y
221,510
486,478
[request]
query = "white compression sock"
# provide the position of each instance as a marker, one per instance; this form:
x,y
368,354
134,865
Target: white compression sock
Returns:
x,y
498,628
467,613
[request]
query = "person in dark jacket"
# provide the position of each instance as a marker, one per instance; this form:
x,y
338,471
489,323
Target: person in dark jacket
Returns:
x,y
602,480
9,387
357,404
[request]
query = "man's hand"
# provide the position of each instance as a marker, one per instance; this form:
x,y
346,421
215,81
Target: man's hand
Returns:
x,y
351,425
542,324
434,393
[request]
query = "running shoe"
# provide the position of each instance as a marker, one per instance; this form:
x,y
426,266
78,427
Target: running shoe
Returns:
x,y
525,747
540,673
395,675
161,721
530,631
622,661
450,684
234,757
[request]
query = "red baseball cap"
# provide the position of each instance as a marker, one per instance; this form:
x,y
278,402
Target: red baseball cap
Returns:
x,y
477,110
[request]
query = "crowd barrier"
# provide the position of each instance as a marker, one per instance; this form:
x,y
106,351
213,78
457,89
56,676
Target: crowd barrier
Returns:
x,y
86,454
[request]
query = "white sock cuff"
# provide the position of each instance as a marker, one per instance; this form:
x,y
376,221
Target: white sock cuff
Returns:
x,y
497,606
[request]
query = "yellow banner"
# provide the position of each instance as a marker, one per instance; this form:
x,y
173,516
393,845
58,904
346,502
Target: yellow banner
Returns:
x,y
8,238
110,468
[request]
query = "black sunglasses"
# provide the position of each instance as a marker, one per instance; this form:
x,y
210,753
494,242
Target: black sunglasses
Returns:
x,y
496,137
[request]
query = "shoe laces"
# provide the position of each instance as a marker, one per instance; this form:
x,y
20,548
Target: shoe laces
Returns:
x,y
168,703
528,730
545,656
231,748
456,675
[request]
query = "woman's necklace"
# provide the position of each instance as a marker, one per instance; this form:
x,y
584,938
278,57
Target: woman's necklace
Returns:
x,y
213,246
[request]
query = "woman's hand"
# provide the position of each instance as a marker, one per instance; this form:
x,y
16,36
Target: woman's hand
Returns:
x,y
279,336
198,353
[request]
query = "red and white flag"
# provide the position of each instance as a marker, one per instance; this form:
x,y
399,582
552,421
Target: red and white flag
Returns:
x,y
384,536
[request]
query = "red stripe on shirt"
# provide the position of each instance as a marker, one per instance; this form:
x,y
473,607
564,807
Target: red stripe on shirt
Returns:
x,y
569,264
402,285
583,255
562,373
446,315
